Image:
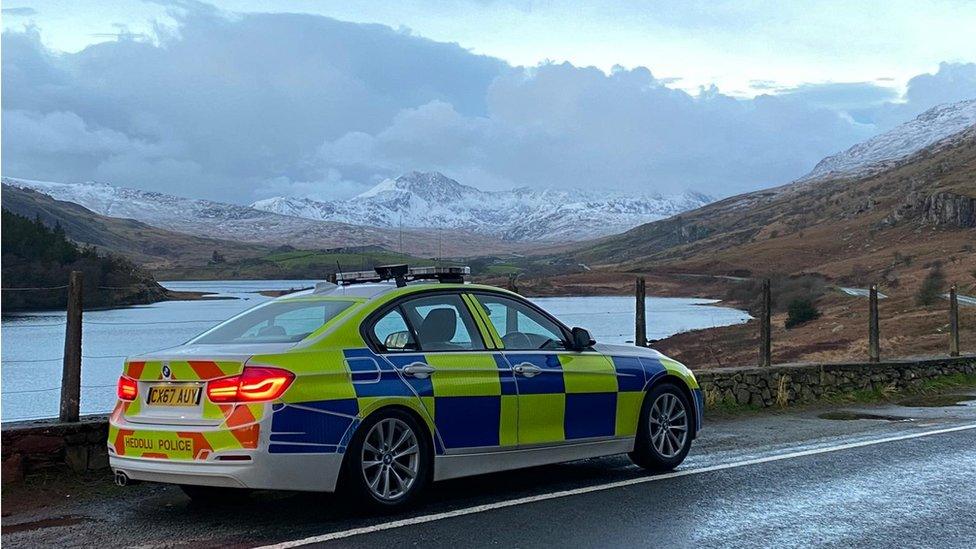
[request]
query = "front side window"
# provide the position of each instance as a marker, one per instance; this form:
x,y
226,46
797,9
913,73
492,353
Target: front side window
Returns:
x,y
521,327
275,322
441,322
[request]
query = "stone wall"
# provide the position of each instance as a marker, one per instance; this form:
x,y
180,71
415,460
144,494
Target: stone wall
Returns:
x,y
788,384
34,446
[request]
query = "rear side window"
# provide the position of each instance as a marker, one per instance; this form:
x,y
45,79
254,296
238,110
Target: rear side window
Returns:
x,y
275,322
439,322
393,334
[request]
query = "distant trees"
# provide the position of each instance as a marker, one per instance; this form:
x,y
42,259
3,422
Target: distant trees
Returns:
x,y
31,240
36,256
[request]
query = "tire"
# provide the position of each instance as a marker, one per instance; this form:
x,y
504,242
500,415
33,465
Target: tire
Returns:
x,y
664,429
213,495
379,476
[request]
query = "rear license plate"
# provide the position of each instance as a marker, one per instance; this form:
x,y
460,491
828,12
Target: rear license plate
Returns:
x,y
174,395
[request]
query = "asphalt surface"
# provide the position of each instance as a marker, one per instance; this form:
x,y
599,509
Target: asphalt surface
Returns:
x,y
784,479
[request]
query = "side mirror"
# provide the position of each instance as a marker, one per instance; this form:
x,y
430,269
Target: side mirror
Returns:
x,y
399,341
581,339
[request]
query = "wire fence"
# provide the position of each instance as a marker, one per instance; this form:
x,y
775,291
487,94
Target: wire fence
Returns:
x,y
26,327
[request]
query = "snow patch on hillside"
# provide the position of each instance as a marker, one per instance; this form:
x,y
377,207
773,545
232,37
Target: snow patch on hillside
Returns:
x,y
882,151
432,200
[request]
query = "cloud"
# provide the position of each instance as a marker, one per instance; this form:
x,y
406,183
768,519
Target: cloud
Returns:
x,y
19,12
951,83
330,186
841,95
560,125
237,107
65,133
247,98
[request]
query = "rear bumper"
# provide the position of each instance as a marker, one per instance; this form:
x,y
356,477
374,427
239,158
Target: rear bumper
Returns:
x,y
305,472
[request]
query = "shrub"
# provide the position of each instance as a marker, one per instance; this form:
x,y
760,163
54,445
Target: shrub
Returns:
x,y
800,311
932,286
784,290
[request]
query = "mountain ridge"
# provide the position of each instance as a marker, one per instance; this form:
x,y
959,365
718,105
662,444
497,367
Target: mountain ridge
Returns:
x,y
882,151
433,200
147,245
223,221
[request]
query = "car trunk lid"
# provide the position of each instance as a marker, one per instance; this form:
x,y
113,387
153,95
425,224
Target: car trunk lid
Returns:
x,y
172,384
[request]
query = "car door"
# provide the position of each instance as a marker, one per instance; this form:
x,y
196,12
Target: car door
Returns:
x,y
563,395
436,344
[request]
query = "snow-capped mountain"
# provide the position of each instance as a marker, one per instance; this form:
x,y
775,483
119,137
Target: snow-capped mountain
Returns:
x,y
884,150
432,200
245,224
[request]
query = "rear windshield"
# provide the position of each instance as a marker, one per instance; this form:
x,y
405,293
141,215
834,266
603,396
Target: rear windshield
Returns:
x,y
275,322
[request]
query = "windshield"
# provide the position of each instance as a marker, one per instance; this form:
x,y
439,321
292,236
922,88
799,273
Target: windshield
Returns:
x,y
276,322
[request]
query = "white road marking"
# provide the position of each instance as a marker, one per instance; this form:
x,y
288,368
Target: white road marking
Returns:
x,y
599,488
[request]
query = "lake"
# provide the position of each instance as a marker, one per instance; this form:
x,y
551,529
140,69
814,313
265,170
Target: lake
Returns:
x,y
33,343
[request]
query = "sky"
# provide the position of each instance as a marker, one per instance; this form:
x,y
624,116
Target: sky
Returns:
x,y
242,100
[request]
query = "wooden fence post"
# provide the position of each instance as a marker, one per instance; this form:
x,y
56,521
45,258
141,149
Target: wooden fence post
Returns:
x,y
874,331
640,320
71,367
953,322
765,326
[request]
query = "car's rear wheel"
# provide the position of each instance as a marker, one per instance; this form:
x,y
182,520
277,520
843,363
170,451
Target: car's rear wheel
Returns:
x,y
664,429
388,461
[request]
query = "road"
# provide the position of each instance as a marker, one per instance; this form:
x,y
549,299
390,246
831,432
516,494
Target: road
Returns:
x,y
906,476
964,299
861,292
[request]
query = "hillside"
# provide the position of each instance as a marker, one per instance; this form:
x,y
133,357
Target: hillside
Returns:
x,y
288,263
38,256
148,246
432,200
911,228
223,221
825,226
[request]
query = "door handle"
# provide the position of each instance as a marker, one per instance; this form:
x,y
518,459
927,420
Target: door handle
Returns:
x,y
527,370
418,370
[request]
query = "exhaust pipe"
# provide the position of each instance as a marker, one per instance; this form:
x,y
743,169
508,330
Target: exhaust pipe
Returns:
x,y
122,479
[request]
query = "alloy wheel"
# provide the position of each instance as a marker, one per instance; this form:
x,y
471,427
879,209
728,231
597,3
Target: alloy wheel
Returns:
x,y
390,459
669,425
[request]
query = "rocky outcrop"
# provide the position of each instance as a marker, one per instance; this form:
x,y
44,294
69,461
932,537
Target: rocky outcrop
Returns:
x,y
941,208
949,209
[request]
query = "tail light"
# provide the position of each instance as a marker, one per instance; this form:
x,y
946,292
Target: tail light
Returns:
x,y
127,389
254,384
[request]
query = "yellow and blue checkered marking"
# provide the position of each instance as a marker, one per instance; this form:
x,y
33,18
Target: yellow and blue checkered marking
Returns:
x,y
474,400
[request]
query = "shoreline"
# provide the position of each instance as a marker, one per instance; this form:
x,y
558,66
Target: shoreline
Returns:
x,y
170,295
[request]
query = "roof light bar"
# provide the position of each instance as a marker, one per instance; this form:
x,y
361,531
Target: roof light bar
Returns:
x,y
403,274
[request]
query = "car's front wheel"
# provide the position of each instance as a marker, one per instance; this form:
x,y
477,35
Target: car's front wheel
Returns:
x,y
664,429
388,461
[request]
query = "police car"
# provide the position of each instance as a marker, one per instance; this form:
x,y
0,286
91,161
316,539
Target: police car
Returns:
x,y
385,381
